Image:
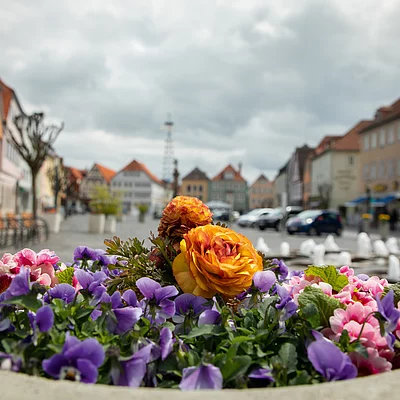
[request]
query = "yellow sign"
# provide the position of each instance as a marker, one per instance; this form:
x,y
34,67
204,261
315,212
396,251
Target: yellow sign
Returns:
x,y
380,187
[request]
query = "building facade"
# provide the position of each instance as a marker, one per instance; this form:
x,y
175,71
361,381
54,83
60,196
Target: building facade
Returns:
x,y
295,174
380,157
15,175
138,186
196,184
281,187
97,176
261,193
230,187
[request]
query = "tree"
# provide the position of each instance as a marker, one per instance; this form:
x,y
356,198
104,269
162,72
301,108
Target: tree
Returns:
x,y
34,141
325,194
58,177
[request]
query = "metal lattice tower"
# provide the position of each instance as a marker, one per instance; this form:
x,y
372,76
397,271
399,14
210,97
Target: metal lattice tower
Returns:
x,y
168,163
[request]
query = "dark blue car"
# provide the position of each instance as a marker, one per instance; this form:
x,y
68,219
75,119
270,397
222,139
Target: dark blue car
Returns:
x,y
315,222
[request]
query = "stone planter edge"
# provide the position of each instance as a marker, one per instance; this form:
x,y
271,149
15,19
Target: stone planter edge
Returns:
x,y
17,386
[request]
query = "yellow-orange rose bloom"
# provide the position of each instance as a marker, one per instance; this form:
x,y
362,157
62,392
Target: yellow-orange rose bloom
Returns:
x,y
214,260
181,215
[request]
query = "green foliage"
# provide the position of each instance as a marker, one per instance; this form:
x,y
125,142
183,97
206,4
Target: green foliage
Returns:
x,y
328,274
317,307
103,202
143,208
66,275
396,289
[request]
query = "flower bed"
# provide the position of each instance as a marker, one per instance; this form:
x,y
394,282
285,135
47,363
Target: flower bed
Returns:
x,y
200,309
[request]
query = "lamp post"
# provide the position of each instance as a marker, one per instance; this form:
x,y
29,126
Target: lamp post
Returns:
x,y
367,221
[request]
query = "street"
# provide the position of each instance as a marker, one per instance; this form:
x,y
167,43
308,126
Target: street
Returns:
x,y
74,232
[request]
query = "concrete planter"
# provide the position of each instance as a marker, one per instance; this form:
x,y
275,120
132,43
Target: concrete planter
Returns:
x,y
110,224
53,221
17,386
96,223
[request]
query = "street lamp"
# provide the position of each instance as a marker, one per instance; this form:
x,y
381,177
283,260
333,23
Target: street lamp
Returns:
x,y
367,222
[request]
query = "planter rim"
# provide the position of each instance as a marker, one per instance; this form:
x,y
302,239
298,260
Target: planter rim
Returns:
x,y
17,386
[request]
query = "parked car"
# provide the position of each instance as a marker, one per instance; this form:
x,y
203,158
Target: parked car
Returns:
x,y
250,219
277,217
315,222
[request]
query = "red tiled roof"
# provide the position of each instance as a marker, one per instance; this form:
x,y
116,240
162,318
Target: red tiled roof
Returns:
x,y
76,173
107,173
7,94
236,175
384,115
325,143
351,140
138,166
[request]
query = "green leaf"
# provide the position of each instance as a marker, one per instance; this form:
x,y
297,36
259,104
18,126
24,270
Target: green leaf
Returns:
x,y
322,304
302,378
396,289
330,275
213,330
66,275
235,367
288,355
28,301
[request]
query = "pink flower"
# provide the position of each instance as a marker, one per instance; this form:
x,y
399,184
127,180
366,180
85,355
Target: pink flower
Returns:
x,y
374,364
297,284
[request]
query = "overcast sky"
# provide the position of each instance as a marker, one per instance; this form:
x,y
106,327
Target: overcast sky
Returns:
x,y
244,80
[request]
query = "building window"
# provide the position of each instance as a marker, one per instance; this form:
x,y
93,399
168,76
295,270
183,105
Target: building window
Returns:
x,y
381,169
194,188
390,168
200,189
391,134
366,142
373,140
188,188
350,160
372,171
382,138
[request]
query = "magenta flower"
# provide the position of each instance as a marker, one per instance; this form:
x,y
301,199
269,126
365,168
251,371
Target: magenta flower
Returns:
x,y
78,361
330,361
202,377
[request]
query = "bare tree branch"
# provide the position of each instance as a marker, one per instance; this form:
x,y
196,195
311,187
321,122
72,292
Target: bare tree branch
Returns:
x,y
325,193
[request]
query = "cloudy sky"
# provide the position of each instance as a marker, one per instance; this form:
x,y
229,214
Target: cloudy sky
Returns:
x,y
245,80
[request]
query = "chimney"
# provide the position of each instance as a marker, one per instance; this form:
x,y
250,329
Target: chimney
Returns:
x,y
240,168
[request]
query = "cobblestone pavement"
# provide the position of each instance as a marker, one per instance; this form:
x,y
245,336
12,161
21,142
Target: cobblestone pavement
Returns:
x,y
74,232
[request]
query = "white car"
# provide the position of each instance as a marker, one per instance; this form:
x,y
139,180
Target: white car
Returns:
x,y
251,218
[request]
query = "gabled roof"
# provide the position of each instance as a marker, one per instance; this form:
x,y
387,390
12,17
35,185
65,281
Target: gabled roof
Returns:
x,y
7,94
236,175
196,175
107,173
326,143
76,173
384,115
261,178
138,166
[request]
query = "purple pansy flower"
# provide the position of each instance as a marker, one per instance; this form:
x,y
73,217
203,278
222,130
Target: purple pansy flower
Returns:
x,y
19,286
85,253
78,361
388,311
262,373
210,317
159,306
43,319
166,342
63,291
329,360
125,316
363,277
132,371
9,362
202,377
264,280
286,303
189,304
280,268
105,259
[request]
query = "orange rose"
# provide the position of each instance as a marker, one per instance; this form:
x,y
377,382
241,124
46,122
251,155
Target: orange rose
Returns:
x,y
214,260
182,214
